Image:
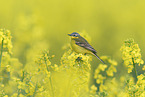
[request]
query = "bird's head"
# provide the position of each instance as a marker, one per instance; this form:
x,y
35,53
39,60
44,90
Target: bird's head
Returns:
x,y
74,35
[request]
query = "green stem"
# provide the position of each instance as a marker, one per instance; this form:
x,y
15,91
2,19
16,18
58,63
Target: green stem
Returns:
x,y
23,76
17,86
51,86
49,77
18,92
135,70
1,53
35,90
46,64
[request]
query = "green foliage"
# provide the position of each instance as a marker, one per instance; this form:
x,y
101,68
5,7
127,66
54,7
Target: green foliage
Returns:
x,y
41,77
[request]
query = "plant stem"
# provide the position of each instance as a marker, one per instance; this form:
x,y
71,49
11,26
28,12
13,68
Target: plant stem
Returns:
x,y
1,53
23,76
51,86
135,70
18,92
35,90
49,77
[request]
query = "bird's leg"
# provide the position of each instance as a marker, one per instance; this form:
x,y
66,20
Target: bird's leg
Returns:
x,y
79,59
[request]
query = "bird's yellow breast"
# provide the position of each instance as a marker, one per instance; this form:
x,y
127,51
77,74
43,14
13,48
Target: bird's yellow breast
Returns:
x,y
78,48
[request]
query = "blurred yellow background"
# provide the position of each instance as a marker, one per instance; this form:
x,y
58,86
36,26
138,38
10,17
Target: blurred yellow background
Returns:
x,y
44,24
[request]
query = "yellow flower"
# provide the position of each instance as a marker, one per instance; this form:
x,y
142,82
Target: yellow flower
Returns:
x,y
111,70
130,68
131,54
102,88
21,95
104,57
2,85
143,67
93,89
41,89
48,73
100,79
21,85
55,67
5,35
140,77
102,67
53,56
14,95
6,96
112,62
31,91
8,68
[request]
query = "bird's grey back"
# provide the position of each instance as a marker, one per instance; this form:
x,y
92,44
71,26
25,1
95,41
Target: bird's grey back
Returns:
x,y
84,43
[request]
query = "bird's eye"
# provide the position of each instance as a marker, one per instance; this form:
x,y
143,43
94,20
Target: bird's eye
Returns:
x,y
74,35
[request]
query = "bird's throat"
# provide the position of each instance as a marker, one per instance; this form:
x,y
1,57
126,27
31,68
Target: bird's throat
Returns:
x,y
74,37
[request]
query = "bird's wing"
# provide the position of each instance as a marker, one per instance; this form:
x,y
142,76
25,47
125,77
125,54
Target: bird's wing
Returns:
x,y
83,43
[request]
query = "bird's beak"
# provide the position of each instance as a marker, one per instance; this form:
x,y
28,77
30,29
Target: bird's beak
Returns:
x,y
69,34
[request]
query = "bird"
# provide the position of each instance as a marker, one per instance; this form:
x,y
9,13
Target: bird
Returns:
x,y
81,45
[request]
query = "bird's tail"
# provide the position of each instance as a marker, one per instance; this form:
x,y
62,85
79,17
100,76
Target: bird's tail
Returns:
x,y
98,58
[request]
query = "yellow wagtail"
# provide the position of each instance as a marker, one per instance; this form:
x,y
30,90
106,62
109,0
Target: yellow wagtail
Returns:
x,y
80,45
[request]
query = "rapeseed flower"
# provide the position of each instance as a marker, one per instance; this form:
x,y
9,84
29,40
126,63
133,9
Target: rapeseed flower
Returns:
x,y
105,70
93,89
131,54
5,40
